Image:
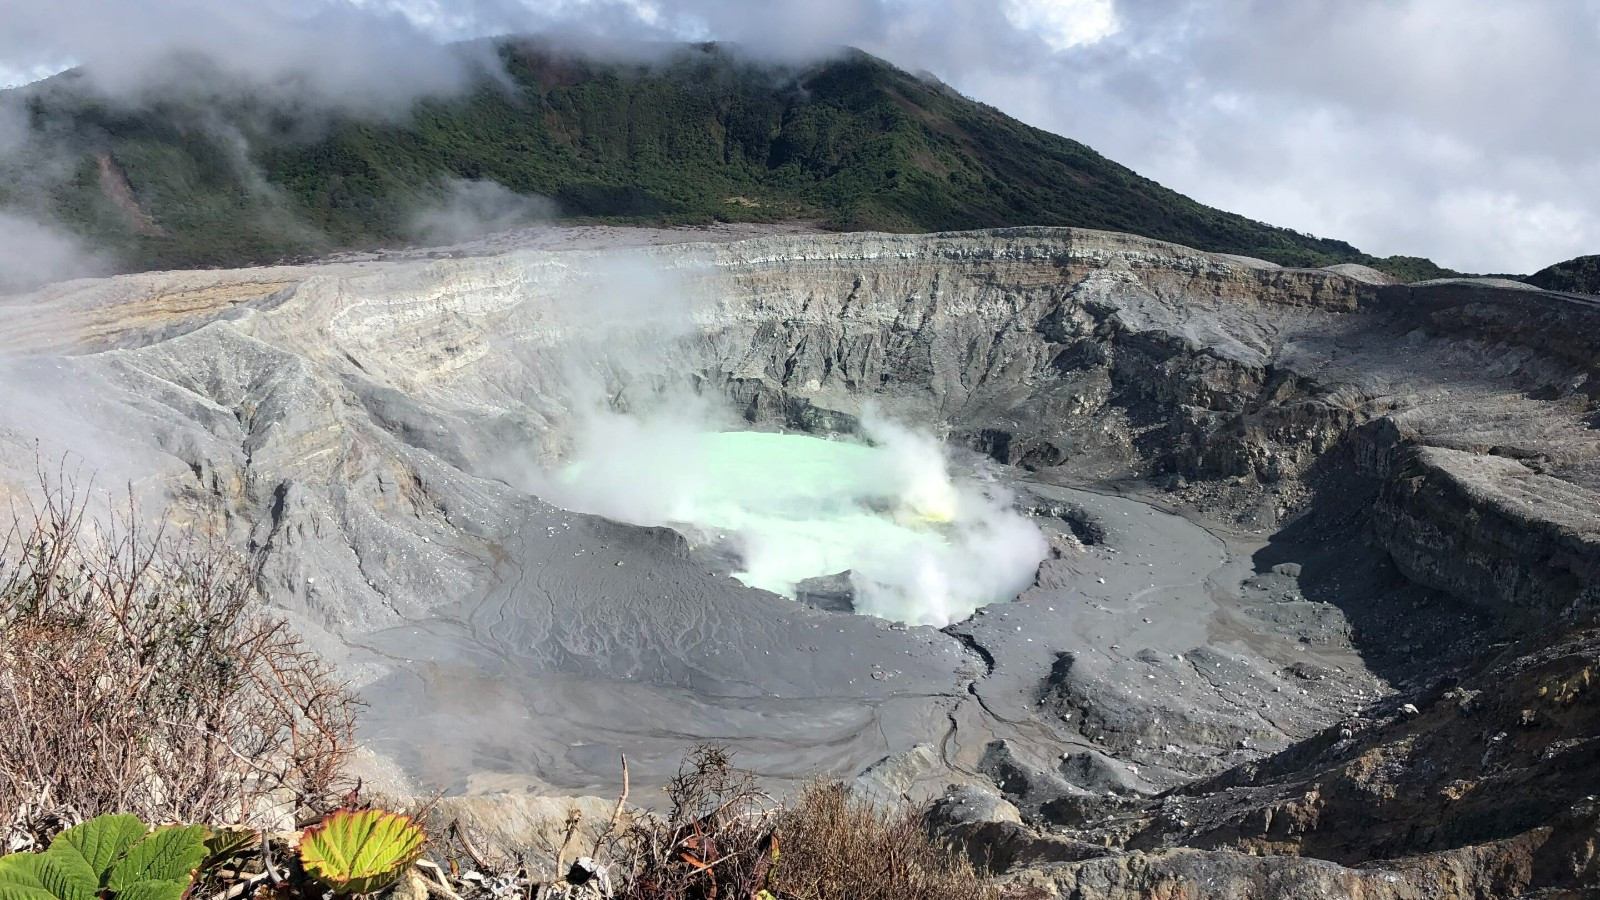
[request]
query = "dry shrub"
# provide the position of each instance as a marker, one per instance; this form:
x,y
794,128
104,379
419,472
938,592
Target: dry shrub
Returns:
x,y
137,675
722,838
715,840
838,847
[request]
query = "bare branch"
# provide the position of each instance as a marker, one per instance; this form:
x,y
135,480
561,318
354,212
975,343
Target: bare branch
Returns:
x,y
138,674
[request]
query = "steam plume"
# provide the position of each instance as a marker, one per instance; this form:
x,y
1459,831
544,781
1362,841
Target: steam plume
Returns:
x,y
472,209
922,543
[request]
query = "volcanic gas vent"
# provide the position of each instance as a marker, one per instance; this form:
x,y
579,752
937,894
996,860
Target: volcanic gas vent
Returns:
x,y
917,542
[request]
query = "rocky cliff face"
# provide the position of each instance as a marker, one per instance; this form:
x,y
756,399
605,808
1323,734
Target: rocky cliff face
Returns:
x,y
357,428
1467,402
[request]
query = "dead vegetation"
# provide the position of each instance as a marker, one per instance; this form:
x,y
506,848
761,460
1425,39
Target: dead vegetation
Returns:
x,y
722,837
838,846
138,675
715,840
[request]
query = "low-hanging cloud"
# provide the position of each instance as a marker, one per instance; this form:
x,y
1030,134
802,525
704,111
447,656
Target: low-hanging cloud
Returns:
x,y
355,57
469,209
1455,129
35,251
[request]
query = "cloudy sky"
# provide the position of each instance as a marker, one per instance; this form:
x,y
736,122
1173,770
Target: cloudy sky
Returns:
x,y
1462,130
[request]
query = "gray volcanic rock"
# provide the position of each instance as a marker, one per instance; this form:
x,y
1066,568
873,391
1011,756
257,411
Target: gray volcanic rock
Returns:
x,y
1494,531
890,781
1361,273
1302,501
1096,772
834,593
996,839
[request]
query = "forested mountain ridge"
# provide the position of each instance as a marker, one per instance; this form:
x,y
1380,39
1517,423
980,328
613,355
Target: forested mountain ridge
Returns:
x,y
697,135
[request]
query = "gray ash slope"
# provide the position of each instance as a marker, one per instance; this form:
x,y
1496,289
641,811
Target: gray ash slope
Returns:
x,y
1323,499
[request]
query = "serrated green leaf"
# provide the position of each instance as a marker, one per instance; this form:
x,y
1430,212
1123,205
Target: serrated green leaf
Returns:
x,y
110,856
21,870
10,891
67,874
19,878
170,854
388,841
97,844
356,853
154,890
225,843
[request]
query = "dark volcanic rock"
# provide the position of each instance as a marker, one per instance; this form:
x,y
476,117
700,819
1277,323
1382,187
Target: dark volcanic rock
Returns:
x,y
834,593
1026,783
1094,771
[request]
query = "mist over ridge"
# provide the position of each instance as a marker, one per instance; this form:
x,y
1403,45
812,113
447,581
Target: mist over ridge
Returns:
x,y
208,167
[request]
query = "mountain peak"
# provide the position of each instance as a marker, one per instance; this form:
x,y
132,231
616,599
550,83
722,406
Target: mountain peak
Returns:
x,y
649,134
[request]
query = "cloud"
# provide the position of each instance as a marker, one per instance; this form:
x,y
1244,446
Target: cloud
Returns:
x,y
34,252
1456,129
1445,128
1388,124
470,209
16,77
1064,24
340,53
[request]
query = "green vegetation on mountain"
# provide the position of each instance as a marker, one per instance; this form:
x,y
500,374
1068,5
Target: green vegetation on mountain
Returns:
x,y
700,136
1580,275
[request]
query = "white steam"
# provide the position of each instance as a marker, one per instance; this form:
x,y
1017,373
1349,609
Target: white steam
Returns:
x,y
471,209
60,419
989,552
925,541
34,252
921,545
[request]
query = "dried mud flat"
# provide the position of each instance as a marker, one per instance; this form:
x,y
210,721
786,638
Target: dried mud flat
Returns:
x,y
1319,623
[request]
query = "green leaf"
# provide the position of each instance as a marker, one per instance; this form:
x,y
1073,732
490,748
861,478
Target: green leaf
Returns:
x,y
88,851
170,854
67,875
357,853
223,844
154,890
21,870
23,892
19,878
104,857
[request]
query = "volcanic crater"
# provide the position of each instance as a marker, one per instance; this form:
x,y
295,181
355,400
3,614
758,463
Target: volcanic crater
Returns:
x,y
1317,554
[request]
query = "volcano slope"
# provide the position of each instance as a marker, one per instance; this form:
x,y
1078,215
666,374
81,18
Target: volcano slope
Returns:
x,y
1319,620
